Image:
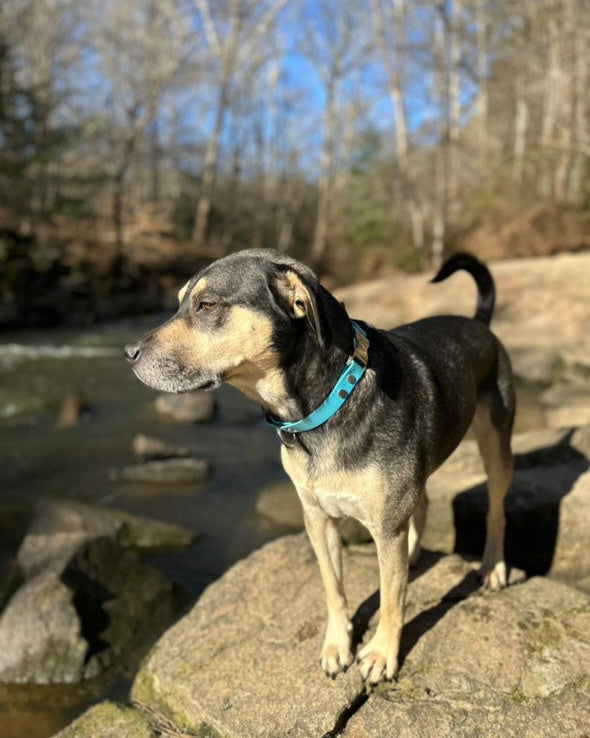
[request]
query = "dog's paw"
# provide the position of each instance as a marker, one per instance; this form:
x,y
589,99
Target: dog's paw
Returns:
x,y
336,658
378,660
493,576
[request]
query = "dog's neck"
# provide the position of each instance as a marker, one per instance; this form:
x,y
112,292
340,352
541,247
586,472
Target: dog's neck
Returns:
x,y
305,376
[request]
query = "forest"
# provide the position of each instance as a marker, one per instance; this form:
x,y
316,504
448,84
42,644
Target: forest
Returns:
x,y
139,139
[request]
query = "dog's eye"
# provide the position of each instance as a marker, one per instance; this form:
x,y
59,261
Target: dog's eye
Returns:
x,y
205,306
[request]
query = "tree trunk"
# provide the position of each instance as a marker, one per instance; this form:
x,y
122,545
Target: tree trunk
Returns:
x,y
481,104
209,170
521,124
454,86
581,50
396,93
320,236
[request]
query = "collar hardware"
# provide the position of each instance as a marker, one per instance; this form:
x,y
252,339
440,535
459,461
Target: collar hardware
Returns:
x,y
352,373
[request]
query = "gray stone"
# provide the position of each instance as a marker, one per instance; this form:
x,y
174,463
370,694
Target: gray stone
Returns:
x,y
84,601
73,618
244,661
147,448
168,471
59,526
514,663
109,720
353,532
188,407
280,503
567,403
547,522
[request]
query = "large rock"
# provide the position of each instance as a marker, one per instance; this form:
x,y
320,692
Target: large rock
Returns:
x,y
511,664
544,322
84,602
244,662
147,448
280,503
58,517
189,407
168,471
548,523
74,618
108,720
567,403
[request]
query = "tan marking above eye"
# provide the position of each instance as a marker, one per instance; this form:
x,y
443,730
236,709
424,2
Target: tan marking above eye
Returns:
x,y
201,284
182,292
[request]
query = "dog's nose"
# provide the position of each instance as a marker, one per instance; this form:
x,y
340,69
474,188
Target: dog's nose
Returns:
x,y
132,352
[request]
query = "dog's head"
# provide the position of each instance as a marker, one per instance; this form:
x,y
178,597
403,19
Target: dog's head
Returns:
x,y
237,320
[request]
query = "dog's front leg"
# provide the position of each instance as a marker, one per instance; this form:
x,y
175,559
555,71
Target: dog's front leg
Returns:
x,y
325,538
379,657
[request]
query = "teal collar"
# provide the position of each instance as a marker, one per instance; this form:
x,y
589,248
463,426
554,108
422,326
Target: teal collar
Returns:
x,y
351,375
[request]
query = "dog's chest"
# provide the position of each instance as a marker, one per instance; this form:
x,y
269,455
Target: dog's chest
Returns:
x,y
338,492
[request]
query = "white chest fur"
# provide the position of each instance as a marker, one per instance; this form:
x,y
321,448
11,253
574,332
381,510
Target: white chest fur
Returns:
x,y
338,492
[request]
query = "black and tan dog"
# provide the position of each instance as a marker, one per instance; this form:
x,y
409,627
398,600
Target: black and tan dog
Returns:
x,y
260,321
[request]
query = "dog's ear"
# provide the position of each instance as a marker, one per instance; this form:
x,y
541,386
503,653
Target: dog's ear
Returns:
x,y
301,297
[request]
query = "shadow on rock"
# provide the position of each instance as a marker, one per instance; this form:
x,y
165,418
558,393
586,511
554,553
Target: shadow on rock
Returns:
x,y
543,478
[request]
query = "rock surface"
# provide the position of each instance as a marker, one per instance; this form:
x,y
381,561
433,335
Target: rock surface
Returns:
x,y
547,507
84,601
168,471
280,503
189,407
109,720
147,448
244,662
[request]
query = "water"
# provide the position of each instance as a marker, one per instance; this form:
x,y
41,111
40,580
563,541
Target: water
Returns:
x,y
37,371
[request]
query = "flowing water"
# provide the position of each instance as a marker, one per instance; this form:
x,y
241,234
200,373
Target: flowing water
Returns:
x,y
37,371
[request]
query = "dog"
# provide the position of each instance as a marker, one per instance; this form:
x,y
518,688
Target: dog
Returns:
x,y
364,415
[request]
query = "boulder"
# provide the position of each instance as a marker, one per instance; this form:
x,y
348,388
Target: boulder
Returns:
x,y
109,720
146,448
546,507
84,601
244,661
188,407
515,663
280,503
567,403
168,471
59,517
74,618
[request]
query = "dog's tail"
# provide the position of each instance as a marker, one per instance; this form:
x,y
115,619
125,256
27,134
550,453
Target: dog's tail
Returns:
x,y
486,290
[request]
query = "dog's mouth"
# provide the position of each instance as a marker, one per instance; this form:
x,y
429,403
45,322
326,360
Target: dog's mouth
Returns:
x,y
160,378
209,385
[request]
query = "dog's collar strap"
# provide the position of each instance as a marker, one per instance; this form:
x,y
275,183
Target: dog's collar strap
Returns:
x,y
351,374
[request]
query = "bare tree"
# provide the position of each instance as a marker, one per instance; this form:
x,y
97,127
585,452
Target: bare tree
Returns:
x,y
139,60
233,33
389,20
336,43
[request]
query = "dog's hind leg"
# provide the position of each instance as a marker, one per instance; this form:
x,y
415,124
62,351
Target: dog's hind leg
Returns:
x,y
492,426
417,523
324,535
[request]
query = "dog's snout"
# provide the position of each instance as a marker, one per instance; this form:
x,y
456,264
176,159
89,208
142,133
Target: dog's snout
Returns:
x,y
132,352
